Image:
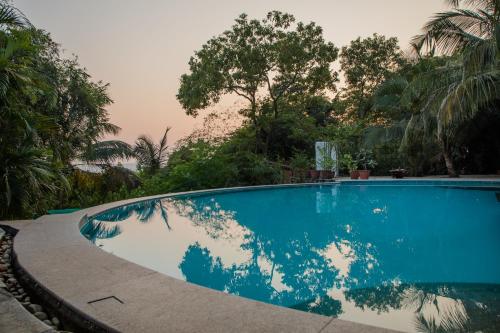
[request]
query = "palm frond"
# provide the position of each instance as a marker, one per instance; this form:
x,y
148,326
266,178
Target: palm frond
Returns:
x,y
424,325
108,151
12,17
151,156
94,230
485,4
456,321
163,141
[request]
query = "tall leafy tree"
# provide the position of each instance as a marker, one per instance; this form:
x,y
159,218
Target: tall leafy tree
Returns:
x,y
25,169
260,61
366,63
76,105
51,112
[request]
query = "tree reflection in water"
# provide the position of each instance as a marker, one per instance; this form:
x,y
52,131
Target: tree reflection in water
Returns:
x,y
106,225
291,269
94,230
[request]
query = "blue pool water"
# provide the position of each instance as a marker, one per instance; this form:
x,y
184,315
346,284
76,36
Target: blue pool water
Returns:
x,y
395,256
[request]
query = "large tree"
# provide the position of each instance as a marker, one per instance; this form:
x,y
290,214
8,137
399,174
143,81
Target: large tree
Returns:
x,y
25,170
402,100
366,63
261,61
76,104
51,111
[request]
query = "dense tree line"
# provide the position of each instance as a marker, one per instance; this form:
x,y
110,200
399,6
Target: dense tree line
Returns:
x,y
432,111
51,113
423,111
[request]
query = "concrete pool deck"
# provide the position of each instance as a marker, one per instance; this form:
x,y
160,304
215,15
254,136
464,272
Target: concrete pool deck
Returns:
x,y
105,293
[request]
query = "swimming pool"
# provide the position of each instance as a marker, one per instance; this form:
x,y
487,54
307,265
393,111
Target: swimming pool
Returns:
x,y
405,255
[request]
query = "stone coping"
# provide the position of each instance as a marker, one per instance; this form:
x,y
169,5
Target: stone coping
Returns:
x,y
105,293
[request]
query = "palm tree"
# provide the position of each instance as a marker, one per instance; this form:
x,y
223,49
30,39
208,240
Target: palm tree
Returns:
x,y
405,100
151,156
106,152
26,175
10,70
469,81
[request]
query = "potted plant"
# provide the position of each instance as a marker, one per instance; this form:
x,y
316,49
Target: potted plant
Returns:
x,y
351,164
366,160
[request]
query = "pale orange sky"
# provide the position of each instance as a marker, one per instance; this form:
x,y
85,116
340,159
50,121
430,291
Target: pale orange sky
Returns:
x,y
142,47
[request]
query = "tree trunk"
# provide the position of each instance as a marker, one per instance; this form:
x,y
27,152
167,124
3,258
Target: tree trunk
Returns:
x,y
448,160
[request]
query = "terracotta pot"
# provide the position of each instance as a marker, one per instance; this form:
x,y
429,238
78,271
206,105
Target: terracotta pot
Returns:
x,y
355,174
364,174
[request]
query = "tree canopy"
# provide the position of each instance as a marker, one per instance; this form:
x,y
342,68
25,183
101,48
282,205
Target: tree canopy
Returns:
x,y
366,63
259,60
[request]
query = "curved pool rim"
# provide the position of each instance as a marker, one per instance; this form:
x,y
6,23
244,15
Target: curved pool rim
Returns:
x,y
108,292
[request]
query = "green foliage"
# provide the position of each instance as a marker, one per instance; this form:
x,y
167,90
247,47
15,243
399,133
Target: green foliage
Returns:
x,y
348,162
430,113
346,137
366,63
51,112
106,152
75,104
327,162
90,189
266,62
388,157
300,164
151,156
300,161
152,185
28,178
469,82
365,159
199,164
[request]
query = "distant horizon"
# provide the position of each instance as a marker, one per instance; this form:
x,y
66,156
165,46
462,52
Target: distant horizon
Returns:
x,y
142,50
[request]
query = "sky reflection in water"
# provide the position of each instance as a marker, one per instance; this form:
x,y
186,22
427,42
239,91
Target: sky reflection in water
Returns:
x,y
412,258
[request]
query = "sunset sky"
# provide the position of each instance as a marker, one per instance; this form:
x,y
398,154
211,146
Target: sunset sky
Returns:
x,y
142,47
